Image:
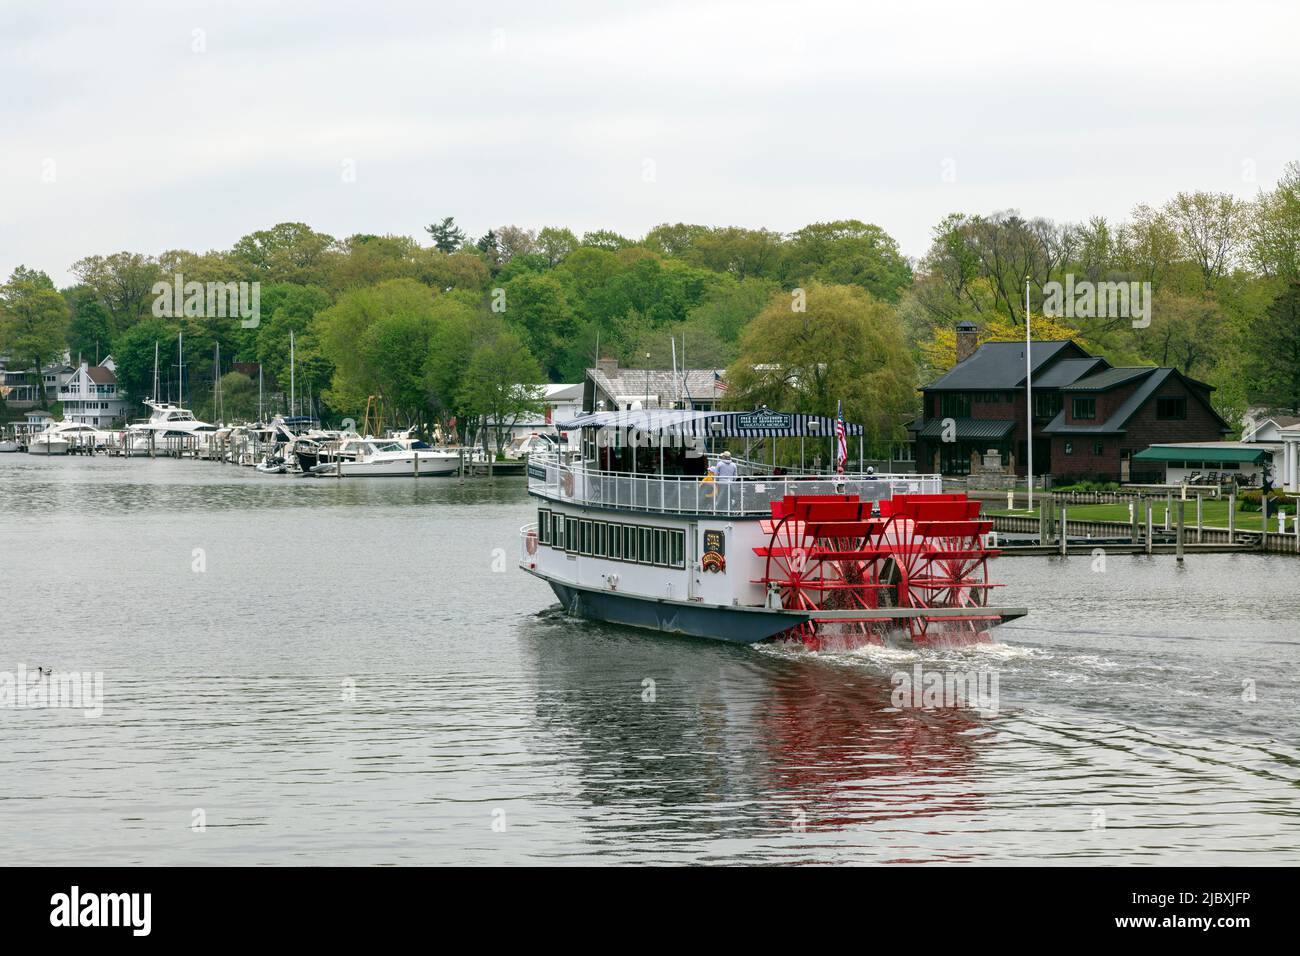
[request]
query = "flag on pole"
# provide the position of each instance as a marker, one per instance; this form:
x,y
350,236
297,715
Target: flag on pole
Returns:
x,y
841,439
719,383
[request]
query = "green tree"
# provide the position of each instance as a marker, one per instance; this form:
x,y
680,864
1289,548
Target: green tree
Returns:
x,y
457,270
1274,239
291,308
847,252
537,308
89,332
33,321
459,326
287,252
515,241
122,283
343,326
134,352
447,237
1274,364
741,252
502,385
730,305
605,239
674,239
555,243
846,346
1211,229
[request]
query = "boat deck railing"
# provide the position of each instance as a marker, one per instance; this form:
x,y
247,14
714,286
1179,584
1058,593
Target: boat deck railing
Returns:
x,y
748,495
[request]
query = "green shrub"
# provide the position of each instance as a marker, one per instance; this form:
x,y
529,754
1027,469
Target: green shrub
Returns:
x,y
1253,500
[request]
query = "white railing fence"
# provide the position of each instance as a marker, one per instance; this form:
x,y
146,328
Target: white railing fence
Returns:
x,y
748,494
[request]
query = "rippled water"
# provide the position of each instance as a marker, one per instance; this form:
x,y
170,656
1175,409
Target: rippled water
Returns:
x,y
1124,731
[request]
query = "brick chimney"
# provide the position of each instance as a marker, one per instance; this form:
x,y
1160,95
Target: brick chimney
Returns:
x,y
607,366
967,335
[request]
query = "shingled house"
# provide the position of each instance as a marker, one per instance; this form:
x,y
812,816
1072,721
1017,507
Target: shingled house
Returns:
x,y
1090,417
608,387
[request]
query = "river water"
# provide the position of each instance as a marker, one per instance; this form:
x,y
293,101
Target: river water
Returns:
x,y
354,672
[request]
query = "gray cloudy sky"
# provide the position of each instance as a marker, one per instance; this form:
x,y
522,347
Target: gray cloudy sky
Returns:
x,y
550,113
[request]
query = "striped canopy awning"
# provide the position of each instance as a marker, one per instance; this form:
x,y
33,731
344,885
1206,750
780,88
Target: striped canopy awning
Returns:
x,y
760,423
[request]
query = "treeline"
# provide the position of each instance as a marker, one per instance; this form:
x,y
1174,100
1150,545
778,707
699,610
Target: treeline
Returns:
x,y
448,326
1224,276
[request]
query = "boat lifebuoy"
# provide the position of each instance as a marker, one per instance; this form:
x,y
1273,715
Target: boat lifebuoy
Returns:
x,y
530,542
566,482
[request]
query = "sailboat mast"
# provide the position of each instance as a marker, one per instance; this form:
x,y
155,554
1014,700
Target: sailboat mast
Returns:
x,y
259,392
216,380
292,392
155,370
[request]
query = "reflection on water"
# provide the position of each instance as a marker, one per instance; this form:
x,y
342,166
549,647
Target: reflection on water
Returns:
x,y
348,680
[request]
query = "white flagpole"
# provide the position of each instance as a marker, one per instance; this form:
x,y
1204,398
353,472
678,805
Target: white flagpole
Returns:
x,y
1029,405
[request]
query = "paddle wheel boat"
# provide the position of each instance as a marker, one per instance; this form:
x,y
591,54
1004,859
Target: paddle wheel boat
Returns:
x,y
645,527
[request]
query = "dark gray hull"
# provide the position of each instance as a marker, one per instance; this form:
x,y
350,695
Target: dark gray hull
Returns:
x,y
737,625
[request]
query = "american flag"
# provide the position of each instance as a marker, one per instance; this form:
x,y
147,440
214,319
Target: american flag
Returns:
x,y
719,383
841,439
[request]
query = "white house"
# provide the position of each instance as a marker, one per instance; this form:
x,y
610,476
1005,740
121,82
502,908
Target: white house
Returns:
x,y
1269,428
91,397
1281,433
1286,464
561,403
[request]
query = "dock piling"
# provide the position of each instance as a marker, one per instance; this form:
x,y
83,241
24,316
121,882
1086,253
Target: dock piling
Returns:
x,y
1178,540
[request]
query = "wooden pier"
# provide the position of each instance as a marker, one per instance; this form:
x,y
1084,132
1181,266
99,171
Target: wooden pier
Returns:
x,y
1052,532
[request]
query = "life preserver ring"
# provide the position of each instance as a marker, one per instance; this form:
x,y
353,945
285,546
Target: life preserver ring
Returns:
x,y
566,483
530,542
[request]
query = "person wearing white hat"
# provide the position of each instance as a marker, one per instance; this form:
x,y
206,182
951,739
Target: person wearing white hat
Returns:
x,y
725,468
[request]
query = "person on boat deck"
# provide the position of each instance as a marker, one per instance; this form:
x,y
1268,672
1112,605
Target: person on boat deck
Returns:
x,y
725,468
871,473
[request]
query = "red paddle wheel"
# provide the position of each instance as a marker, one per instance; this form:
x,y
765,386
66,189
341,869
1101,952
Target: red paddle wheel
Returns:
x,y
829,554
820,557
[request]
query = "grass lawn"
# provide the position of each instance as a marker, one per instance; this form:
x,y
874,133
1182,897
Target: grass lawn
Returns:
x,y
1215,514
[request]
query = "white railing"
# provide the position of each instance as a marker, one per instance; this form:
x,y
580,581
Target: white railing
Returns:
x,y
746,495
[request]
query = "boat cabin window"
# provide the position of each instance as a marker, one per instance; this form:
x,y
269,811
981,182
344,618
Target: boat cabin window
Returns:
x,y
634,543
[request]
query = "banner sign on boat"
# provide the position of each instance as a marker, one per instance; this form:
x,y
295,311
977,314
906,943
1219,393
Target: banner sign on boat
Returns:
x,y
537,471
764,419
715,552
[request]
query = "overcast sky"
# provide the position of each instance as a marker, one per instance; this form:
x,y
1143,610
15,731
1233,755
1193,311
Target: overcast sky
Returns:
x,y
620,116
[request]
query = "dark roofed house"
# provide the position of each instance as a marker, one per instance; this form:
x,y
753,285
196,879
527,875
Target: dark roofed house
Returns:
x,y
1089,417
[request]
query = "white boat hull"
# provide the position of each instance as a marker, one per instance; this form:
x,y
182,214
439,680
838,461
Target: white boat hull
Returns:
x,y
55,446
431,466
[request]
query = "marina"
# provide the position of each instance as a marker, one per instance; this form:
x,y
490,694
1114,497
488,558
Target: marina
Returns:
x,y
1120,695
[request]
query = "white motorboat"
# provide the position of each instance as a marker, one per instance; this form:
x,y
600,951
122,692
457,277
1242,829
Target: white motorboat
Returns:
x,y
381,457
62,436
169,427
